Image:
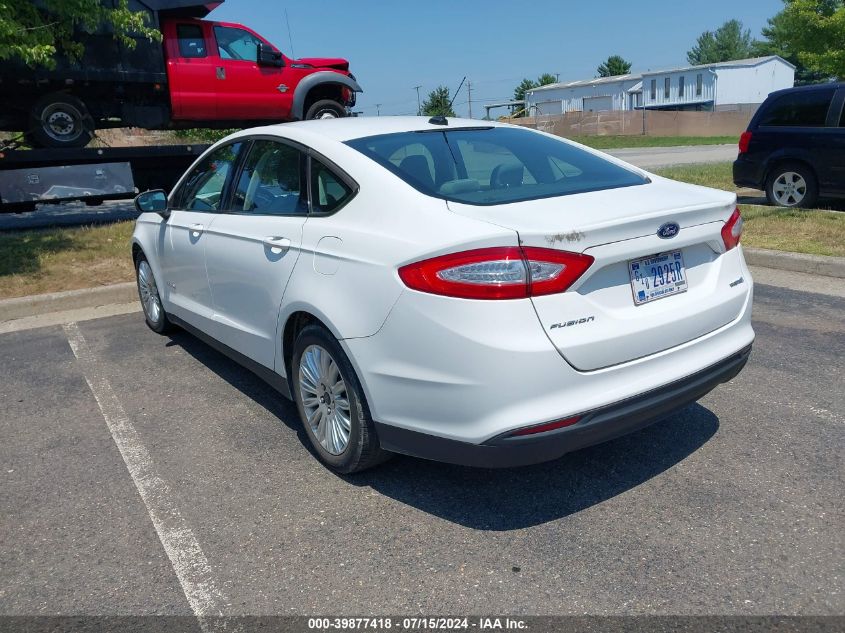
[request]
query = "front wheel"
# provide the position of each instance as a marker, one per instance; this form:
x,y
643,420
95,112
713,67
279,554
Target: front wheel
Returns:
x,y
325,109
792,185
331,404
154,313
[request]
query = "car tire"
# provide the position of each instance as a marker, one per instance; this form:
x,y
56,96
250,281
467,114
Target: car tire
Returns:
x,y
792,185
325,109
154,313
60,120
332,405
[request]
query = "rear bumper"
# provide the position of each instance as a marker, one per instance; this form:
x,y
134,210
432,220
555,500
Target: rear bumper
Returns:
x,y
748,173
600,425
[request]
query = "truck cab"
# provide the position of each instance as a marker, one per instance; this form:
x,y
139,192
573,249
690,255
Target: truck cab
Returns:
x,y
222,70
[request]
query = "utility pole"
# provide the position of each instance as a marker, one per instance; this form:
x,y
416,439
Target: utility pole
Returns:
x,y
469,97
378,109
419,107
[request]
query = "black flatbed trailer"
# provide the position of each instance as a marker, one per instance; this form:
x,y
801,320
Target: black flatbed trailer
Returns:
x,y
91,174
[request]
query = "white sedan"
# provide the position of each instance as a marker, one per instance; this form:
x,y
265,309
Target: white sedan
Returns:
x,y
456,290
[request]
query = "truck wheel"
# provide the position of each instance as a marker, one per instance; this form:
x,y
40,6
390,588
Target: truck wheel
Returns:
x,y
60,120
325,109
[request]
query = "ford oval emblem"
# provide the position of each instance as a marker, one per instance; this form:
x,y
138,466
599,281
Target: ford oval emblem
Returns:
x,y
668,230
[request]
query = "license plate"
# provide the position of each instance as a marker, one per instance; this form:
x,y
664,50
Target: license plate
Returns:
x,y
657,276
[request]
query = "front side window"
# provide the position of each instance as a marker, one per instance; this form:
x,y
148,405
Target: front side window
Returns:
x,y
236,44
203,189
328,191
497,165
270,182
801,109
191,41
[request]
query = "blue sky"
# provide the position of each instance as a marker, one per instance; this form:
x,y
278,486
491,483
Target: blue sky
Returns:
x,y
394,46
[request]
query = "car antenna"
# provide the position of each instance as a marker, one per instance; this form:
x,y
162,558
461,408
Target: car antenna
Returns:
x,y
440,119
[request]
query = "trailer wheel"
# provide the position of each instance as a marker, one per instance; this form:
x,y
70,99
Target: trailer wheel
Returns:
x,y
60,120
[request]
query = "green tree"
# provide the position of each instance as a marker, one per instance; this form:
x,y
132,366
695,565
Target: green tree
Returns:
x,y
35,32
615,65
529,84
730,41
545,79
437,103
811,35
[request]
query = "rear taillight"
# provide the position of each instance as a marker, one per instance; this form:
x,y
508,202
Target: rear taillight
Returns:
x,y
732,231
544,428
744,141
497,273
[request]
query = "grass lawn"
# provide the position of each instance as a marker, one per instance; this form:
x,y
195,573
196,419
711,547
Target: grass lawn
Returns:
x,y
49,260
614,142
816,232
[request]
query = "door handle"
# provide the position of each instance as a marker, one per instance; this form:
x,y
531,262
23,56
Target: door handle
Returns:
x,y
197,229
277,244
221,72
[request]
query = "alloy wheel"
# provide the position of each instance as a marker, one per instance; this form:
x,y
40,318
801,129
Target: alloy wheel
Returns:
x,y
789,189
324,399
149,292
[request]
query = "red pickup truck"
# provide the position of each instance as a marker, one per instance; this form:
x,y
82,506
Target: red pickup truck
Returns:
x,y
202,74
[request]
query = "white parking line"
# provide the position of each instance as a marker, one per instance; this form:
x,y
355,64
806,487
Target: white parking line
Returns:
x,y
177,538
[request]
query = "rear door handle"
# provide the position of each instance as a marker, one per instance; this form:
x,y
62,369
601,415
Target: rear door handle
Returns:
x,y
276,244
197,229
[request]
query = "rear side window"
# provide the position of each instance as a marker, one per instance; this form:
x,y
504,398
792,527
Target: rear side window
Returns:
x,y
498,165
328,191
800,109
270,182
191,41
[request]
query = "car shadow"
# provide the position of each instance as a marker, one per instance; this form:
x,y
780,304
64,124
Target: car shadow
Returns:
x,y
500,500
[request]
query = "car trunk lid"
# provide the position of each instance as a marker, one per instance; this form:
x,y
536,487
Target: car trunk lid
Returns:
x,y
596,323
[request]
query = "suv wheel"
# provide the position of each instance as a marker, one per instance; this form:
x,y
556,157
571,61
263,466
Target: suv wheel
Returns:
x,y
331,403
792,185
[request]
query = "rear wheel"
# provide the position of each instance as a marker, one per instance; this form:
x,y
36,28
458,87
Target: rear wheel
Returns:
x,y
792,185
60,120
325,109
331,404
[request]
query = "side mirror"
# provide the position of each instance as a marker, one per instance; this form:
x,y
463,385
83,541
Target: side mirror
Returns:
x,y
154,201
268,57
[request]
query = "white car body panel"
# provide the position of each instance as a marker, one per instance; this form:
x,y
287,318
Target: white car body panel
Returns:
x,y
461,369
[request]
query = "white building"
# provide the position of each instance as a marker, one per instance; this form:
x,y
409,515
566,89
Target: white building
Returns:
x,y
736,85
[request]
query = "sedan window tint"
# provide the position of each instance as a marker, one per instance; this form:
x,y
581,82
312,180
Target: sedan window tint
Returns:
x,y
495,165
203,188
271,181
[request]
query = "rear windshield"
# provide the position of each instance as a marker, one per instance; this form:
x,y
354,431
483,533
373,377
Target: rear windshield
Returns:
x,y
495,165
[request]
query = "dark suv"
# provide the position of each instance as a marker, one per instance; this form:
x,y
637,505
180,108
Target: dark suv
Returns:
x,y
794,147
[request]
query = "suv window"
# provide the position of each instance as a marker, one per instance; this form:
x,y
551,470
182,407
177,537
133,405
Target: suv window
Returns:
x,y
271,181
191,41
203,188
842,118
328,191
805,109
495,165
235,43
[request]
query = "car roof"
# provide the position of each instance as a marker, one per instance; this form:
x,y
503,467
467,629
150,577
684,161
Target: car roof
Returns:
x,y
826,86
348,128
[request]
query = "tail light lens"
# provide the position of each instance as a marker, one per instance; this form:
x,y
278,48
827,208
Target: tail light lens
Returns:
x,y
744,141
732,231
497,273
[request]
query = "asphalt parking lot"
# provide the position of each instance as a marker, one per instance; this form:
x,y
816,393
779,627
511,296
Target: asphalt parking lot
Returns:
x,y
733,506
